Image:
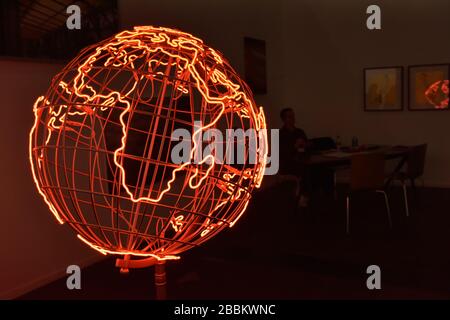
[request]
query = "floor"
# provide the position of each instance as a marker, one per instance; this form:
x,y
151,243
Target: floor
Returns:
x,y
278,252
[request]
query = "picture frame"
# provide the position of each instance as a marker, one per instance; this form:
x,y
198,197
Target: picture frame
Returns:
x,y
255,64
426,87
383,88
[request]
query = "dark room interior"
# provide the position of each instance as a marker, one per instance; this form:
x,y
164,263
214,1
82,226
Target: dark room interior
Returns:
x,y
335,183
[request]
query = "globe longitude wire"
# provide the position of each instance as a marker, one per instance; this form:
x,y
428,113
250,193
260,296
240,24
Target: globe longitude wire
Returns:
x,y
100,148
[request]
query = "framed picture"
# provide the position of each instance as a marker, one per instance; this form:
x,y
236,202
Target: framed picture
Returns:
x,y
383,89
255,64
428,87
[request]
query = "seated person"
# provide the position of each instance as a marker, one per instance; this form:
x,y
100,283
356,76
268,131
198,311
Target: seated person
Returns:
x,y
293,142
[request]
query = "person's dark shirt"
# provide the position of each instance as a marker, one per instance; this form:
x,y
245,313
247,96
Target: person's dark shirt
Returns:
x,y
289,160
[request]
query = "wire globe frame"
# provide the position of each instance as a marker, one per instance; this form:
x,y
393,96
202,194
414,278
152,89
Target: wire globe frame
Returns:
x,y
101,144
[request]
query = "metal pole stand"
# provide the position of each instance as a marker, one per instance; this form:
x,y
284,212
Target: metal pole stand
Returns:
x,y
160,272
160,280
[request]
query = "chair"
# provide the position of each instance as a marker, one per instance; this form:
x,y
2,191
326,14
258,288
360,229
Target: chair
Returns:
x,y
367,174
415,165
321,144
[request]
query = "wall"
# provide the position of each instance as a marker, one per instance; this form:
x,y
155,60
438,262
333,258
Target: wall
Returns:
x,y
327,45
35,248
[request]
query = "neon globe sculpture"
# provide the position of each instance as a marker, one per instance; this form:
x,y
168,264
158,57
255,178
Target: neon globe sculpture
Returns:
x,y
101,145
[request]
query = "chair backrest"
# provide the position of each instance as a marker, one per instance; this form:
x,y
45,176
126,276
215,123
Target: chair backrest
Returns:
x,y
416,161
322,144
367,171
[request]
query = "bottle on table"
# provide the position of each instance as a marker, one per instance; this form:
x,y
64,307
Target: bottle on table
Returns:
x,y
354,142
338,142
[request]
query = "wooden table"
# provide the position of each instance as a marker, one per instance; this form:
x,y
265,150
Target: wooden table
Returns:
x,y
333,159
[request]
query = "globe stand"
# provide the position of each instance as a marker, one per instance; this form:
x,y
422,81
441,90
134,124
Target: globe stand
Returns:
x,y
126,264
160,280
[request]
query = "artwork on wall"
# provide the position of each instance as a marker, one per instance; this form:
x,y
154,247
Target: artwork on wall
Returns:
x,y
428,87
255,65
383,89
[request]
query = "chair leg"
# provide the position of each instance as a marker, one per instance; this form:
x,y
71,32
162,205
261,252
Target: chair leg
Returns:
x,y
348,215
415,192
405,197
388,209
